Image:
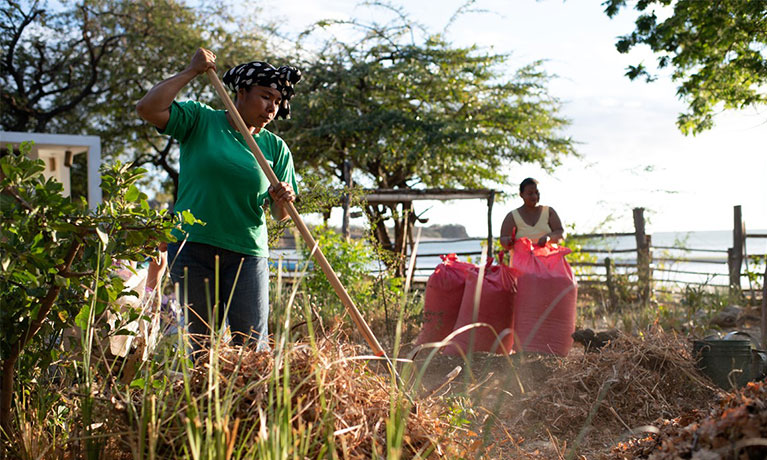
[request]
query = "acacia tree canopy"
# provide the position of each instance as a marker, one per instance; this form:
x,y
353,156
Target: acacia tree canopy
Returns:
x,y
405,111
409,112
716,49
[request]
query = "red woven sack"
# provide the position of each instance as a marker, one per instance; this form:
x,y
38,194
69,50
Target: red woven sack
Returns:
x,y
544,305
443,298
495,309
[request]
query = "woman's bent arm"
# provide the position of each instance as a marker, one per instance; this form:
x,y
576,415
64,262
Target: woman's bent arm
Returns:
x,y
507,229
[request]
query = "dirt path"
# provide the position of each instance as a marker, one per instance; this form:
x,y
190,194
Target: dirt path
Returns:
x,y
482,373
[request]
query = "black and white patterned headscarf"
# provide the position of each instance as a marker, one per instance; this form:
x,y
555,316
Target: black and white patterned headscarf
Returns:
x,y
260,73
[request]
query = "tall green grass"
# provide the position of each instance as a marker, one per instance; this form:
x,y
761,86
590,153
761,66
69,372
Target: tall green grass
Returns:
x,y
174,408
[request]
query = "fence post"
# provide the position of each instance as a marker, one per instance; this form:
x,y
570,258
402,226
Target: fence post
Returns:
x,y
345,224
490,200
735,253
763,323
648,252
612,297
643,256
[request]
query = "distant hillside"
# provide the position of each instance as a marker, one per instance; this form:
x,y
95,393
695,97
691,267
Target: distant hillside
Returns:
x,y
444,231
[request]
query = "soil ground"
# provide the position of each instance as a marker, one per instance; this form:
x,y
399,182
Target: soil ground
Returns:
x,y
539,406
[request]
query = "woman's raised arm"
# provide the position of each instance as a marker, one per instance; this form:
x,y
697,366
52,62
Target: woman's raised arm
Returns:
x,y
154,107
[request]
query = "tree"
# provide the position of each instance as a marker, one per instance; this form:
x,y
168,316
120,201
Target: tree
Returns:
x,y
411,113
81,67
52,247
716,50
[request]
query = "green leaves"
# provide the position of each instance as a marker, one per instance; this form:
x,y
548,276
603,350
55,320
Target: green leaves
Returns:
x,y
104,61
56,255
82,318
351,260
133,194
716,50
410,109
421,111
156,384
102,237
187,217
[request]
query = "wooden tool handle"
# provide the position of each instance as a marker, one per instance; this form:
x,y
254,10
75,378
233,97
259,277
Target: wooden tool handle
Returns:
x,y
297,220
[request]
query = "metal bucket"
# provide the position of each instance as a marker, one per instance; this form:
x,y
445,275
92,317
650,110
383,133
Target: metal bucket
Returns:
x,y
728,363
759,364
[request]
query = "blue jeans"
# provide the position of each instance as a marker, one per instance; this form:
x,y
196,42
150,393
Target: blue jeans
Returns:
x,y
249,308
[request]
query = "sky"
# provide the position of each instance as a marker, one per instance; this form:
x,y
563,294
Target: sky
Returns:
x,y
631,152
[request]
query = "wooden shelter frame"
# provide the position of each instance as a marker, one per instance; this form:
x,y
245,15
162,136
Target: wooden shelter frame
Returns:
x,y
388,196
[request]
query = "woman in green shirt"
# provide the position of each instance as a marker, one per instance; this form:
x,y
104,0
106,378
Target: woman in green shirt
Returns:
x,y
221,184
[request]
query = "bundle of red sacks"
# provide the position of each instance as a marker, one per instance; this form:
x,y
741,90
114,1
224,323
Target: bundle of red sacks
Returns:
x,y
527,306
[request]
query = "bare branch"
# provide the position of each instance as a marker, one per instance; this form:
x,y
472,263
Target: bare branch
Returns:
x,y
9,67
12,192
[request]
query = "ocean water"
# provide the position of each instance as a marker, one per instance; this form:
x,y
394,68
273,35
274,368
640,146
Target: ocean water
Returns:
x,y
705,253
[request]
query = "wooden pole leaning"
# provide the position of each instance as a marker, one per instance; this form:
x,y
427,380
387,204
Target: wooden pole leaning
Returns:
x,y
363,327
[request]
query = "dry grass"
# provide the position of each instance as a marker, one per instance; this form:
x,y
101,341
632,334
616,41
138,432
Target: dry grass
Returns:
x,y
735,428
585,402
531,407
335,398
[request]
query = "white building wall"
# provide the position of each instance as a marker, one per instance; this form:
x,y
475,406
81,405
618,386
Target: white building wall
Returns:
x,y
52,149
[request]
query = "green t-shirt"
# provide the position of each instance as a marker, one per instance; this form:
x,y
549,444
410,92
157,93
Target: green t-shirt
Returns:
x,y
220,181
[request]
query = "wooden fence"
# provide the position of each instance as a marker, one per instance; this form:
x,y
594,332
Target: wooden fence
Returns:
x,y
648,264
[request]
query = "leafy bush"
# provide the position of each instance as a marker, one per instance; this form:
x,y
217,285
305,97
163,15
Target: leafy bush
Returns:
x,y
56,252
316,195
351,260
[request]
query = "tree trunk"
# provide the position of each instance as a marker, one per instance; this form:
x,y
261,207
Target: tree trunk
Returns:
x,y
346,224
403,226
6,393
6,388
376,218
400,240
